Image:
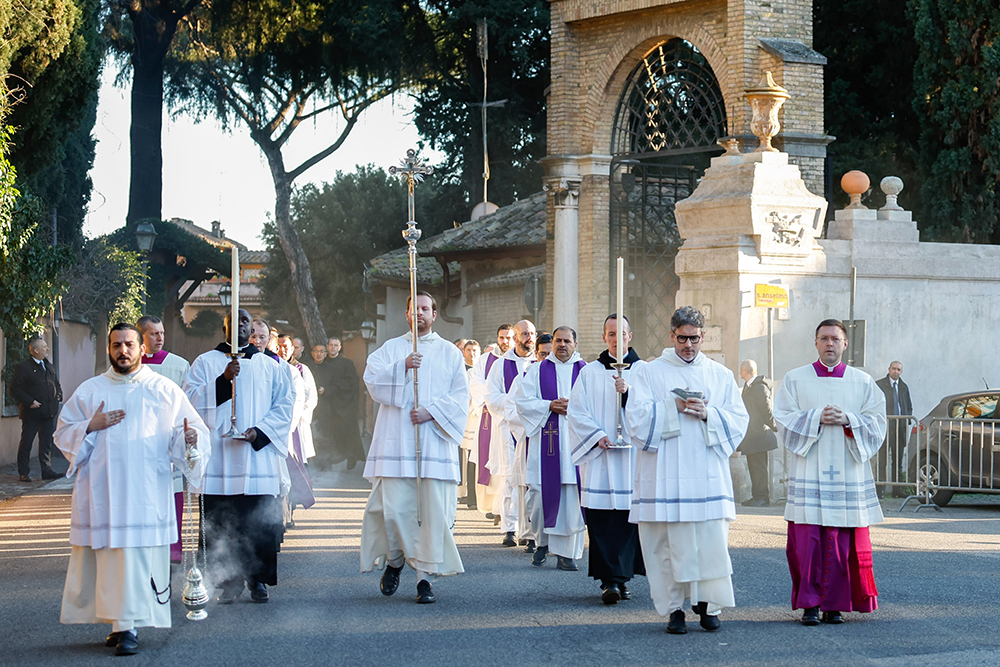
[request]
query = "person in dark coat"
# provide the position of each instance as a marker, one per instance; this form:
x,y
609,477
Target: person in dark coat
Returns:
x,y
36,389
897,402
760,439
345,435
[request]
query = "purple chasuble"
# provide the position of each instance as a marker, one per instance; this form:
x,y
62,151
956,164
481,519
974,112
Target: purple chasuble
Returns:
x,y
485,430
551,466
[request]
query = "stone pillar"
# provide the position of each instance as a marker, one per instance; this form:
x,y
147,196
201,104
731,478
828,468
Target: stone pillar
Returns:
x,y
565,270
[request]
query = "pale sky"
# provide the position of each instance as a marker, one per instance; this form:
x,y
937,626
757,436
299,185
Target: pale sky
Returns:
x,y
209,174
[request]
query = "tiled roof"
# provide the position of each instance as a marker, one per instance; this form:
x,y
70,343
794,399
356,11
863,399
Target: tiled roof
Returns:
x,y
516,277
395,265
224,242
520,224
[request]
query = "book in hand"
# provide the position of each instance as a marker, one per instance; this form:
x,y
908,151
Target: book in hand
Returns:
x,y
685,394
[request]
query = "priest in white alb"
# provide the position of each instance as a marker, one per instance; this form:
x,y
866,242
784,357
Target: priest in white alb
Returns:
x,y
482,429
247,474
686,418
831,419
596,409
390,533
507,451
121,431
553,499
176,368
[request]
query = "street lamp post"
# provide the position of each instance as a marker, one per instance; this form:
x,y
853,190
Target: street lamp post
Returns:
x,y
368,335
145,237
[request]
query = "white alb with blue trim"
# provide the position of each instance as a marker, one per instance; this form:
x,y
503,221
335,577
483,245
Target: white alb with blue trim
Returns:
x,y
682,463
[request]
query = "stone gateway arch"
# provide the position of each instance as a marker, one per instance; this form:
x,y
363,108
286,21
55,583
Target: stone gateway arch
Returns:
x,y
642,91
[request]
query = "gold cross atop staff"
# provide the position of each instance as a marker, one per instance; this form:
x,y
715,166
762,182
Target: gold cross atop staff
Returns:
x,y
413,170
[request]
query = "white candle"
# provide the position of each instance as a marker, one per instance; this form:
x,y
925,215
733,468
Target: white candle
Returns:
x,y
620,323
234,326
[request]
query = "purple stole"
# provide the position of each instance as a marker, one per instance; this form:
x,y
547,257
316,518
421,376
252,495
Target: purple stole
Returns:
x,y
156,359
485,431
551,465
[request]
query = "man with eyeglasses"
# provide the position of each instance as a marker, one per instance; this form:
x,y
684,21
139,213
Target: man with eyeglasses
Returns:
x,y
831,419
687,418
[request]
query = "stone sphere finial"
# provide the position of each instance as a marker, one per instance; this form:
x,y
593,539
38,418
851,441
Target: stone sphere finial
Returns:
x,y
891,186
855,183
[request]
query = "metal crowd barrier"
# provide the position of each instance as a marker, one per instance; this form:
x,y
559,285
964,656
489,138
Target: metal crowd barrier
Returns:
x,y
942,457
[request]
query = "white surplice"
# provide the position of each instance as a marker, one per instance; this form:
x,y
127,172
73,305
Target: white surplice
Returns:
x,y
830,479
566,537
444,392
682,463
122,517
683,493
298,407
507,459
305,423
173,366
485,493
606,475
389,529
264,401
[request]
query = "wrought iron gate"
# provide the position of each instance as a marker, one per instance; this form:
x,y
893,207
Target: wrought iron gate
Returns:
x,y
669,119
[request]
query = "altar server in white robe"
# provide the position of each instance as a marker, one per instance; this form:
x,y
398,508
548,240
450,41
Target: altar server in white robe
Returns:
x,y
121,431
683,493
507,451
482,428
831,419
596,408
246,476
553,501
301,491
390,533
175,368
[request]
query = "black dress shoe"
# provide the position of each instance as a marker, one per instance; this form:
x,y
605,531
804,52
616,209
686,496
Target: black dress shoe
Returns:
x,y
523,542
390,580
677,625
810,616
626,593
425,594
258,591
496,519
710,623
611,595
508,540
112,639
128,643
538,558
230,592
566,564
832,617
25,478
490,515
50,474
530,549
351,464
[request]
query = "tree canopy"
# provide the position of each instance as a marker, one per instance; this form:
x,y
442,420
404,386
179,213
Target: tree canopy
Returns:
x,y
449,99
272,65
342,226
957,86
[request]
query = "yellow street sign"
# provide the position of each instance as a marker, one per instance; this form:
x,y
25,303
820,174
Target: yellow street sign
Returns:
x,y
770,296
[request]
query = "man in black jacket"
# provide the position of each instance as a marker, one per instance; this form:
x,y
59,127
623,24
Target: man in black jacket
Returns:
x,y
760,439
36,389
897,402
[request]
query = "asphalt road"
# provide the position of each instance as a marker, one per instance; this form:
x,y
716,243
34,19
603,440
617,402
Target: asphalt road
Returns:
x,y
937,574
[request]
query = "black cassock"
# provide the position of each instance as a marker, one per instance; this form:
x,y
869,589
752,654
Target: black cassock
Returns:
x,y
342,392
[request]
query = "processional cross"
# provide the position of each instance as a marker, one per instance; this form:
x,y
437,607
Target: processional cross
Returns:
x,y
413,170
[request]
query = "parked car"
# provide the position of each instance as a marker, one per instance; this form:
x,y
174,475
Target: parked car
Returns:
x,y
959,446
